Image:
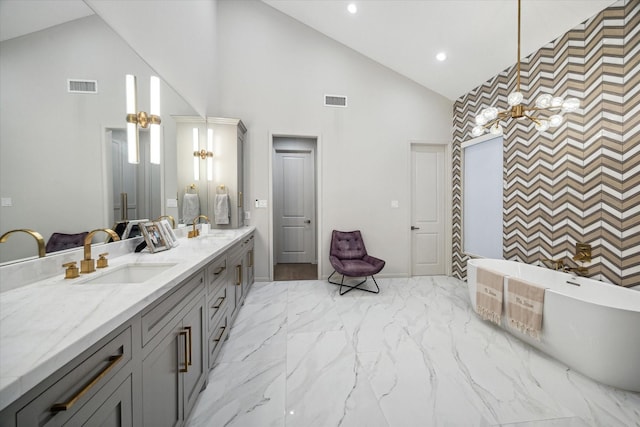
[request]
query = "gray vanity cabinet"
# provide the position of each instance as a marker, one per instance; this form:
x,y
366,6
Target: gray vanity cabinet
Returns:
x,y
91,387
174,359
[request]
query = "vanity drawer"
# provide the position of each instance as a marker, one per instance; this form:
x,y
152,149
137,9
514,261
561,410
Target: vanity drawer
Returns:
x,y
220,333
80,385
157,317
217,305
216,274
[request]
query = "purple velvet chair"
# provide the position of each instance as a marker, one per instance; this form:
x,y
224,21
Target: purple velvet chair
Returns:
x,y
61,241
349,257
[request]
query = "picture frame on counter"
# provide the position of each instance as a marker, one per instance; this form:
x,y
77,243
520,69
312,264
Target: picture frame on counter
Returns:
x,y
172,240
155,237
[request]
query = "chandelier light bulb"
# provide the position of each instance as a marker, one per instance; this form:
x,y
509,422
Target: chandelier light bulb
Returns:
x,y
570,105
557,102
481,120
477,131
555,120
496,129
515,98
542,126
490,113
544,101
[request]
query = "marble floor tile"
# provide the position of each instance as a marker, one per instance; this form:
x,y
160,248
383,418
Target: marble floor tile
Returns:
x,y
299,354
243,394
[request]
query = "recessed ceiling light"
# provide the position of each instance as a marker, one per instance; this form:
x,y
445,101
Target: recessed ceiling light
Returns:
x,y
352,8
441,56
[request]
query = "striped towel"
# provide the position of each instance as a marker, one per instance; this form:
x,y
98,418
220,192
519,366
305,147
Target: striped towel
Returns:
x,y
525,302
489,288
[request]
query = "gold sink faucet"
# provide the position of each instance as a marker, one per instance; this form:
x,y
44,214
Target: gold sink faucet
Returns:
x,y
32,233
169,217
88,264
195,232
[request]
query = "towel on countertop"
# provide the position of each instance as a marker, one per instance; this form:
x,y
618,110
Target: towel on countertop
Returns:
x,y
222,209
489,287
525,302
190,207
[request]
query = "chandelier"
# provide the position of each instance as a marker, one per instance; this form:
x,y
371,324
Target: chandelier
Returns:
x,y
546,113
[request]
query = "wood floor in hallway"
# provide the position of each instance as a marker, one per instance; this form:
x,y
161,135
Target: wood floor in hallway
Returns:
x,y
285,272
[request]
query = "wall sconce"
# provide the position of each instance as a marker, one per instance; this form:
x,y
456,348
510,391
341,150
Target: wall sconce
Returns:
x,y
137,118
202,154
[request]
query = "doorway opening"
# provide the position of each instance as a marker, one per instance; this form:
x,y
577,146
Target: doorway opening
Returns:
x,y
295,213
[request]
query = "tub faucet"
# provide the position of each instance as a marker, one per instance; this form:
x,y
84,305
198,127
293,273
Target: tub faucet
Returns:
x,y
583,252
34,234
557,264
88,264
195,232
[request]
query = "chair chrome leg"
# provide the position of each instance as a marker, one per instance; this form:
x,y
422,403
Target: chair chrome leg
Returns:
x,y
350,287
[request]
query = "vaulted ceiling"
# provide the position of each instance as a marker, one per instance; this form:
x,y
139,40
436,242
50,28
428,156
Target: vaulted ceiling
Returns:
x,y
479,37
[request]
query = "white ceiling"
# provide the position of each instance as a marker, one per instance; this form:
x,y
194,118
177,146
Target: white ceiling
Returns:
x,y
478,36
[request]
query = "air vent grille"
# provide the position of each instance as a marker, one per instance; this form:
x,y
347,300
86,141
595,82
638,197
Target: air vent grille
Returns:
x,y
82,86
335,101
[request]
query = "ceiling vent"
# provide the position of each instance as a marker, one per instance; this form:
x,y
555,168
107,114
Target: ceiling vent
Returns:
x,y
335,101
82,86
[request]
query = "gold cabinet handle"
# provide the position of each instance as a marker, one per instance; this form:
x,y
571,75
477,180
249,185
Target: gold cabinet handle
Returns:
x,y
218,303
113,361
219,337
188,328
186,351
238,275
218,271
239,199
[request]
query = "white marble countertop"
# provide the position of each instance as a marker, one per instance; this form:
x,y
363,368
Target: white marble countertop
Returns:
x,y
45,324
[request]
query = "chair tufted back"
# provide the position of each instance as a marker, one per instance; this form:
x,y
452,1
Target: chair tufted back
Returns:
x,y
347,245
62,241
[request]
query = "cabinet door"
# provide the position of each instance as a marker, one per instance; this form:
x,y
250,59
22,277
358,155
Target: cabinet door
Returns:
x,y
116,410
194,323
162,381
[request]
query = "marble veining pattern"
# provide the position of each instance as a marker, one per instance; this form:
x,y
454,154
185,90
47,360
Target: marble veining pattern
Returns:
x,y
299,354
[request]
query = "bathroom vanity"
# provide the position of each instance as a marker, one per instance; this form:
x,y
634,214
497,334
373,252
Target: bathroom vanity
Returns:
x,y
89,351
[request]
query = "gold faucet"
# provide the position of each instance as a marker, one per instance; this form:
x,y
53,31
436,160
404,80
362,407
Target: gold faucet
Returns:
x,y
34,234
169,217
195,232
583,252
557,264
88,265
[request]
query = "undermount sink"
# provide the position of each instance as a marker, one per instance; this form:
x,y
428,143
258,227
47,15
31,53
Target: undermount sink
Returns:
x,y
221,234
128,273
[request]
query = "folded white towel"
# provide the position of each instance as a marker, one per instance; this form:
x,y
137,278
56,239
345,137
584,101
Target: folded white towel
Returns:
x,y
222,209
190,207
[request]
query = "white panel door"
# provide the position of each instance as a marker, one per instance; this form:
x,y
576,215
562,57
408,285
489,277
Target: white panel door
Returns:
x,y
428,210
295,207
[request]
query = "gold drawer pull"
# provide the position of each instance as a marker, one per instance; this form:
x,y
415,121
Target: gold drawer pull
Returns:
x,y
113,361
218,303
188,328
238,275
218,271
219,337
186,351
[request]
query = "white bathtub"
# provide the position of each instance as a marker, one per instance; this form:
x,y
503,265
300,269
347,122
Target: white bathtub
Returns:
x,y
593,328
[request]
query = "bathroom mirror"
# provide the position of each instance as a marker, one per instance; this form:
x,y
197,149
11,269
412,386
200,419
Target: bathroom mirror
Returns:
x,y
63,94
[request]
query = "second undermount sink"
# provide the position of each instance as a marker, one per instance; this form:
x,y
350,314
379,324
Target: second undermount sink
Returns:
x,y
128,273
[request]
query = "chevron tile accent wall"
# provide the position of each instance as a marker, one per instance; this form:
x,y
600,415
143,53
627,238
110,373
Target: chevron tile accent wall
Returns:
x,y
579,182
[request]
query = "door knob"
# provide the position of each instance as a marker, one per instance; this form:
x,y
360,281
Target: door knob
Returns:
x,y
415,228
307,221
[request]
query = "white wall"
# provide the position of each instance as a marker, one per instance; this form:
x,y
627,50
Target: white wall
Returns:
x,y
273,74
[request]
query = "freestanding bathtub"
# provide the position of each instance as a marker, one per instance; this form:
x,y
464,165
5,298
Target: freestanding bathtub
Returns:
x,y
591,326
